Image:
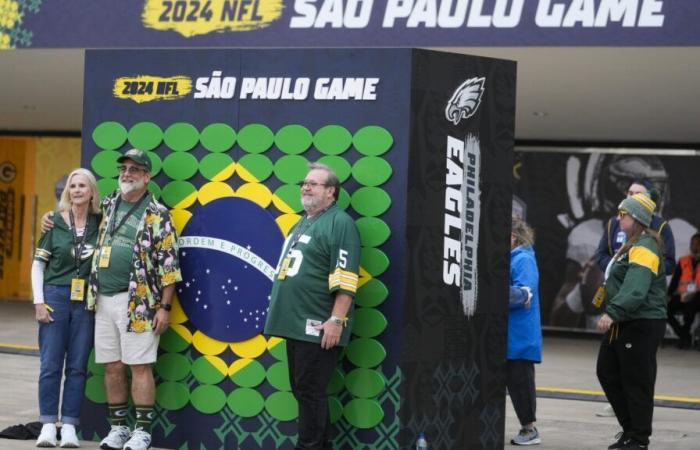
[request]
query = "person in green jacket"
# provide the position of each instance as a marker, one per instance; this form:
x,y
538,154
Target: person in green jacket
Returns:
x,y
633,322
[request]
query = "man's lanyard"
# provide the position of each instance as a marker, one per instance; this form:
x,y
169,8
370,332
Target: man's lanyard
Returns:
x,y
308,222
78,245
113,229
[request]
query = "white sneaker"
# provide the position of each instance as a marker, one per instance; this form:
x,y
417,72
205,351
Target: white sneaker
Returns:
x,y
140,440
69,439
116,438
47,437
606,412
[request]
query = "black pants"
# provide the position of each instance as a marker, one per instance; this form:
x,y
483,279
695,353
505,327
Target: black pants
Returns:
x,y
520,379
689,310
310,370
627,372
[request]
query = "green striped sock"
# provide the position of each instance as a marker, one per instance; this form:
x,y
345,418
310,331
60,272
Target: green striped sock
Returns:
x,y
144,417
118,414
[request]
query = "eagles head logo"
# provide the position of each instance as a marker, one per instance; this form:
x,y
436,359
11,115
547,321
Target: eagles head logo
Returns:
x,y
465,100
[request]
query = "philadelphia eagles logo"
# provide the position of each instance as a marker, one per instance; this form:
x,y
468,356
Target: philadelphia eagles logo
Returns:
x,y
465,100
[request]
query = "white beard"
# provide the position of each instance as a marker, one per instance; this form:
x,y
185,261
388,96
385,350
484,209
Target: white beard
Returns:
x,y
127,187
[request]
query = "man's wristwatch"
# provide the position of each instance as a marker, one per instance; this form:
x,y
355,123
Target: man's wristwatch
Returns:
x,y
166,307
337,320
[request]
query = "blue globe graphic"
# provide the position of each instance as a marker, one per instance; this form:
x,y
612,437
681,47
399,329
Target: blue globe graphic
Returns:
x,y
229,250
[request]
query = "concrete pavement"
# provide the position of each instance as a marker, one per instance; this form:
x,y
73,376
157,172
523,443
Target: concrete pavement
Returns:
x,y
567,371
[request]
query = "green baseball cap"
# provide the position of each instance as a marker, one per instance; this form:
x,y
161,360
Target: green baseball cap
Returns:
x,y
138,156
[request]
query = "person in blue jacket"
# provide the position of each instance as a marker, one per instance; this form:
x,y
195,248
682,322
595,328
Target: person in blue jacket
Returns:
x,y
524,331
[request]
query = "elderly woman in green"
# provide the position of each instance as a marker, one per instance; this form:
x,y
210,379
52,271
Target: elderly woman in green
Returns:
x,y
633,322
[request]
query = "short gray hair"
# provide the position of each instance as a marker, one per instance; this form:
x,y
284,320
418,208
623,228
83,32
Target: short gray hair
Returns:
x,y
331,178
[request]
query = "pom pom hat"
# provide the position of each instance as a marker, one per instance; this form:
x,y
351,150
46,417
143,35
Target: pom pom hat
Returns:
x,y
640,207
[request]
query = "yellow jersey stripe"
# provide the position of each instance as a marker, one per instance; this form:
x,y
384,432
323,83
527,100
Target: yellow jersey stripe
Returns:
x,y
644,257
343,279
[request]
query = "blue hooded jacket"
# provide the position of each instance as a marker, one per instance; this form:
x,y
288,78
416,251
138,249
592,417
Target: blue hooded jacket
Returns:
x,y
524,329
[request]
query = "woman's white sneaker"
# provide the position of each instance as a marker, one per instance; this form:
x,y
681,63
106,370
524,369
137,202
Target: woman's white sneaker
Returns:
x,y
47,437
69,438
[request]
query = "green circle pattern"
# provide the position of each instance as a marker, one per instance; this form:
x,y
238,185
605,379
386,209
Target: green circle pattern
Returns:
x,y
255,138
340,166
105,165
278,376
218,137
172,396
208,399
249,376
172,342
246,402
94,389
371,294
259,166
373,232
291,168
205,372
293,139
372,140
213,164
332,140
365,352
370,201
371,171
282,406
145,136
180,166
290,195
181,137
109,135
172,366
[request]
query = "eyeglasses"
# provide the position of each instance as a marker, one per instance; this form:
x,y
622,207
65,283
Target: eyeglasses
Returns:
x,y
131,169
311,184
621,214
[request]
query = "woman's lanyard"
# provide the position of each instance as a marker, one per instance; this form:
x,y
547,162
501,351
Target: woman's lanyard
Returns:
x,y
78,244
112,222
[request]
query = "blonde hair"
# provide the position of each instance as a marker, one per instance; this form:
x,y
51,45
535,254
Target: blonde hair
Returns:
x,y
64,202
637,230
524,235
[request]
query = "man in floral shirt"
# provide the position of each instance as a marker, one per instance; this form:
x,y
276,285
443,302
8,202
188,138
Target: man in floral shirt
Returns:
x,y
132,281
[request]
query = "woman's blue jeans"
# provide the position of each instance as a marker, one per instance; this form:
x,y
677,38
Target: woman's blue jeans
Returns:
x,y
68,339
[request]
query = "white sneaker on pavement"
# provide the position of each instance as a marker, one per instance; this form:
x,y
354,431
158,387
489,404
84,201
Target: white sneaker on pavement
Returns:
x,y
606,412
117,437
69,438
140,440
47,437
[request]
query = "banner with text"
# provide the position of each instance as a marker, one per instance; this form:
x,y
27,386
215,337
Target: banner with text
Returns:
x,y
342,23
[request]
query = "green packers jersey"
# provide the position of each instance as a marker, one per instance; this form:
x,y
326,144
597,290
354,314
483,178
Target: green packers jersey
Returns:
x,y
56,249
115,278
321,257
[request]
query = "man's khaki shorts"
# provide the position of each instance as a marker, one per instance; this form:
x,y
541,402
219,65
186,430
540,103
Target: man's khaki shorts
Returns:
x,y
112,341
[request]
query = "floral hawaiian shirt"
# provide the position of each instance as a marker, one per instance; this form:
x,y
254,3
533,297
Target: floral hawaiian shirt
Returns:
x,y
154,264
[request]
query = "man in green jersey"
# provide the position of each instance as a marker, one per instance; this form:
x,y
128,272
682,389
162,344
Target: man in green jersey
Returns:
x,y
311,304
131,286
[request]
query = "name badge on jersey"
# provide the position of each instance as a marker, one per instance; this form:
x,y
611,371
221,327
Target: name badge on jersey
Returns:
x,y
77,289
284,268
621,237
104,257
311,327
